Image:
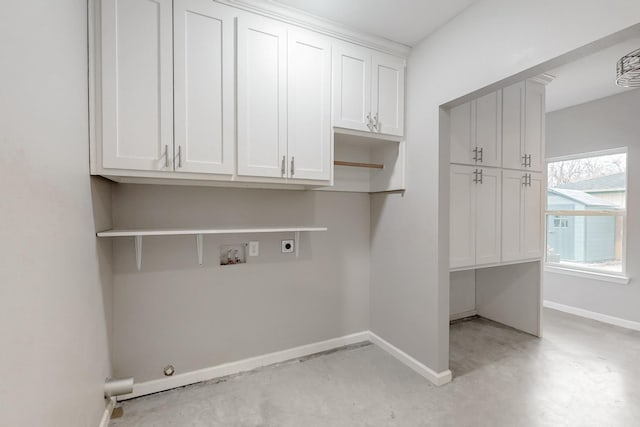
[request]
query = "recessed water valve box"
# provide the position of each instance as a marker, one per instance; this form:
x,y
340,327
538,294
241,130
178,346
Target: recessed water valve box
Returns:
x,y
287,246
232,254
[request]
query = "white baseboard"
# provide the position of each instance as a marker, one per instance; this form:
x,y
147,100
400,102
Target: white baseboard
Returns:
x,y
206,374
244,365
106,417
604,318
437,378
456,316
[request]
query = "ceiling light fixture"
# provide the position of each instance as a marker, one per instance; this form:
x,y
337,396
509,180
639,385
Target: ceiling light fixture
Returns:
x,y
629,70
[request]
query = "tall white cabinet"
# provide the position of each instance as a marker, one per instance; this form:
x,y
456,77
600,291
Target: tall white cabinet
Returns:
x,y
496,184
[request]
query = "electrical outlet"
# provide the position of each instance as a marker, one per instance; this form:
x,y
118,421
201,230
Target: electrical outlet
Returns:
x,y
254,248
287,246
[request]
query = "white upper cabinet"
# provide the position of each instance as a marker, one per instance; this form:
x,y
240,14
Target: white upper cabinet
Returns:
x,y
284,101
522,232
137,84
204,87
262,97
309,106
352,88
523,126
476,135
368,90
534,125
387,94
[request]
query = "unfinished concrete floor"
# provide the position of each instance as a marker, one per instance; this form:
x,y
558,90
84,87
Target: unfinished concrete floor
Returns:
x,y
582,373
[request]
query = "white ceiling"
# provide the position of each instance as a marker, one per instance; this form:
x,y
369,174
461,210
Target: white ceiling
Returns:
x,y
403,21
589,78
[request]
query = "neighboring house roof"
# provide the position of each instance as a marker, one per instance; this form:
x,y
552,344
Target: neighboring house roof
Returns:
x,y
582,198
608,182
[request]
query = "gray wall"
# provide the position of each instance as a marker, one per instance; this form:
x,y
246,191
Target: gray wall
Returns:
x,y
599,125
174,311
410,261
55,290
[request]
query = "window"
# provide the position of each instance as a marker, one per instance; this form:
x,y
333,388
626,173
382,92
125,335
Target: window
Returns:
x,y
586,212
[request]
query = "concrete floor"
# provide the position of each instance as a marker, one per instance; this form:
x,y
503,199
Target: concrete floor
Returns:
x,y
582,373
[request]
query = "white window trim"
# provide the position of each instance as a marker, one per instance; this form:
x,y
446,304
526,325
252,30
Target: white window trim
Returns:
x,y
620,279
597,274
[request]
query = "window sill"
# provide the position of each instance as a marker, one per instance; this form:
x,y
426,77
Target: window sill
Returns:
x,y
613,278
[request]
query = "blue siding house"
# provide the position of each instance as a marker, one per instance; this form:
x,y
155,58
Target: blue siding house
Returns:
x,y
587,239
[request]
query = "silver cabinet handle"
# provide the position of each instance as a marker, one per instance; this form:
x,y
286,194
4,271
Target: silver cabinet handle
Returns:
x,y
477,176
369,123
179,156
376,123
524,160
282,167
526,180
293,164
475,154
529,161
166,156
480,153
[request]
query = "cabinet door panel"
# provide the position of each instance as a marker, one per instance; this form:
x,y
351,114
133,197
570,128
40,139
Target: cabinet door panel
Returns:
x,y
512,215
513,126
488,210
204,82
262,97
533,217
534,124
462,217
488,129
461,146
309,106
351,87
137,84
387,93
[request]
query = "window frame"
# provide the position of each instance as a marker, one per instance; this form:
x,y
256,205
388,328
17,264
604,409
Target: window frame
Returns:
x,y
596,273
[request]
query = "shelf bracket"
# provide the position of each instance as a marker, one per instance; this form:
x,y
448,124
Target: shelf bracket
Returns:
x,y
199,239
138,244
296,242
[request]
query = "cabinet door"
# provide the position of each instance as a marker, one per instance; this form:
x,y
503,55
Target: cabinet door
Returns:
x,y
203,89
309,106
137,84
488,210
512,215
533,217
387,94
262,97
462,216
513,126
534,124
352,87
462,123
488,131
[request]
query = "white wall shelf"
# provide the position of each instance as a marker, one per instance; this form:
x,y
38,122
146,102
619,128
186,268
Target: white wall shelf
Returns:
x,y
137,234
